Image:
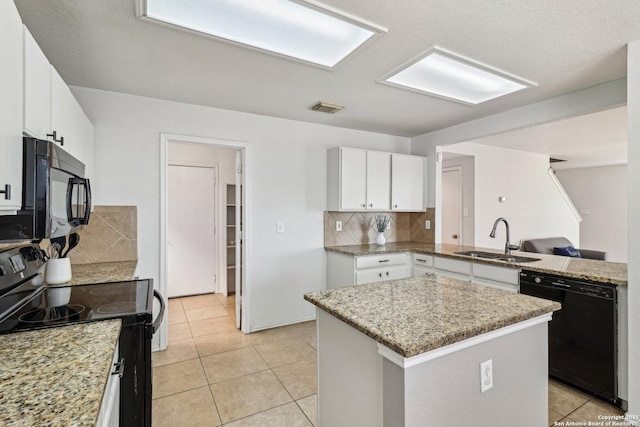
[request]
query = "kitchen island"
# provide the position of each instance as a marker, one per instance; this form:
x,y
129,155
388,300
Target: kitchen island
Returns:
x,y
408,353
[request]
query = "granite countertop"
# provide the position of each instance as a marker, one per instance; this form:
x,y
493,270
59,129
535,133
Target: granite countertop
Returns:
x,y
100,272
420,314
56,376
614,273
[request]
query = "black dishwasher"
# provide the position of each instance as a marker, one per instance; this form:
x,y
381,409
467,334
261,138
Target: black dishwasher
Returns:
x,y
583,335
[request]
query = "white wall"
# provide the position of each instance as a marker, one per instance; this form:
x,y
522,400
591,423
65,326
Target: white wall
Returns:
x,y
633,187
602,191
534,207
287,180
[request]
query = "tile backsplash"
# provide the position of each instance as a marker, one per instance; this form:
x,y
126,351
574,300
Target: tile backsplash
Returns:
x,y
112,235
358,227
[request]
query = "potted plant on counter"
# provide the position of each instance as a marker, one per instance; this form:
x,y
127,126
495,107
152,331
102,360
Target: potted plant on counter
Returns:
x,y
381,224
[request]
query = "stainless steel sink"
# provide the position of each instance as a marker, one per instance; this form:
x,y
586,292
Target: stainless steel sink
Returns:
x,y
497,257
479,254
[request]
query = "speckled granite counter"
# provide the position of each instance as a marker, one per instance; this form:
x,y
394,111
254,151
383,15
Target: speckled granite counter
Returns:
x,y
85,274
416,315
600,271
56,376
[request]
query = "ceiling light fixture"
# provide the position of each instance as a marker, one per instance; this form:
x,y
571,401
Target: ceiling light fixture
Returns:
x,y
301,29
447,75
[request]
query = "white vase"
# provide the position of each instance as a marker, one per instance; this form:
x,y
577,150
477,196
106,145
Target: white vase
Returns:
x,y
381,240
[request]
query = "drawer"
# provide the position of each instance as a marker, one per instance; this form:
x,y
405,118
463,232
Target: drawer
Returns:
x,y
375,261
498,285
499,274
373,275
453,265
458,276
421,271
423,260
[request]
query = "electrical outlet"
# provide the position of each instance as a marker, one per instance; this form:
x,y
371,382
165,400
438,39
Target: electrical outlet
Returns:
x,y
389,225
338,225
427,225
486,375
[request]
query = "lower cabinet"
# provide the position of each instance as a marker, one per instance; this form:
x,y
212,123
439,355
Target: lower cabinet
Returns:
x,y
504,278
422,264
453,268
109,415
347,270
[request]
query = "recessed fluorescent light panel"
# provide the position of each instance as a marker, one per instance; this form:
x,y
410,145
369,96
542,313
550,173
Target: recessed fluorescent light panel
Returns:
x,y
446,75
303,29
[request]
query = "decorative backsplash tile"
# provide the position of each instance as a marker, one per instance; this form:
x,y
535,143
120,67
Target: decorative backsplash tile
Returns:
x,y
112,235
418,232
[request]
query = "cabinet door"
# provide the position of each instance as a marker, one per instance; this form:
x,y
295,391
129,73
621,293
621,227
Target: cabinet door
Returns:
x,y
353,183
378,180
37,89
407,183
11,107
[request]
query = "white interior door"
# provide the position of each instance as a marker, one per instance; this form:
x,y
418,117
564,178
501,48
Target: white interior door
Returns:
x,y
239,240
191,243
452,205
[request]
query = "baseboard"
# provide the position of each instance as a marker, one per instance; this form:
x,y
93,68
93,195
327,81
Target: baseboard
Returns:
x,y
277,325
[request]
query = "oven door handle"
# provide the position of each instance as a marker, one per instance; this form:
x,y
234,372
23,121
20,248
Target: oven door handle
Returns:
x,y
156,323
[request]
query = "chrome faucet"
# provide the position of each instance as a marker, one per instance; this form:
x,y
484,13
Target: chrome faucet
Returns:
x,y
508,247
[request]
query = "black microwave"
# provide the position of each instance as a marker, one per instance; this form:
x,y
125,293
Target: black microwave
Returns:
x,y
56,196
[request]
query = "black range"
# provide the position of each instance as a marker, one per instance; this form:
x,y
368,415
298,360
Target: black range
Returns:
x,y
25,304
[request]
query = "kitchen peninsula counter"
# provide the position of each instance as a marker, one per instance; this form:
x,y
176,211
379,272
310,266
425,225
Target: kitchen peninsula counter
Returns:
x,y
101,272
56,376
408,352
614,273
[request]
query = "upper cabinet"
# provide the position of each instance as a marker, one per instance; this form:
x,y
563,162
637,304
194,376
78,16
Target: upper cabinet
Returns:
x,y
11,105
366,180
407,182
51,111
37,89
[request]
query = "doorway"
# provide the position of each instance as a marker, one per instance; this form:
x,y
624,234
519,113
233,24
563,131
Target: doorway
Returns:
x,y
197,177
452,205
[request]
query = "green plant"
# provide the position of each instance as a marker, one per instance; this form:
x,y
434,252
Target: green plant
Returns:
x,y
381,223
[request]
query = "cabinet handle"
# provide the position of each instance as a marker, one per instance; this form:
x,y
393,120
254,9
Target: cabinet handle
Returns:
x,y
6,191
119,371
54,136
384,260
421,260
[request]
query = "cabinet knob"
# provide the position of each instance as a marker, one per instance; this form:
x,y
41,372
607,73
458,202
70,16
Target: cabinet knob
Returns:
x,y
380,274
387,273
370,205
364,205
395,205
6,191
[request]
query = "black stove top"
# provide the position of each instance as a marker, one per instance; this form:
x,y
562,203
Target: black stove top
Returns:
x,y
132,301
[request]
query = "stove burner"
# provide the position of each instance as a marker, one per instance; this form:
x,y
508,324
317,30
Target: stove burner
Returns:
x,y
117,307
52,314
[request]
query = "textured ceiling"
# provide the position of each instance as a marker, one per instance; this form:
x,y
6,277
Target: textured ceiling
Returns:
x,y
563,45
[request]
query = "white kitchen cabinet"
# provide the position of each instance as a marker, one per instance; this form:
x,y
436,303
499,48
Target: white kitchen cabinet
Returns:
x,y
37,89
109,415
378,180
11,108
407,183
374,180
347,270
422,264
358,180
498,277
454,268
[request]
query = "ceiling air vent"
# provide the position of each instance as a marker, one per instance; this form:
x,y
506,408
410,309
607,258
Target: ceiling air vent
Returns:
x,y
325,107
552,160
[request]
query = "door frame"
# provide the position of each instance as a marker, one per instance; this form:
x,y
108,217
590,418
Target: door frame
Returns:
x,y
460,188
216,216
245,150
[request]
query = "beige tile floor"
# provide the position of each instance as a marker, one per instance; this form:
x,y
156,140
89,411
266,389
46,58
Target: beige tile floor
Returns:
x,y
212,374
